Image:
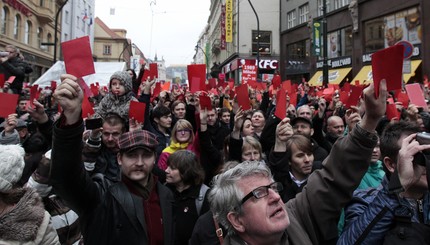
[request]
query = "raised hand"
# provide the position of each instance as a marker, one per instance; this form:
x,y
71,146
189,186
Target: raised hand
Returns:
x,y
69,95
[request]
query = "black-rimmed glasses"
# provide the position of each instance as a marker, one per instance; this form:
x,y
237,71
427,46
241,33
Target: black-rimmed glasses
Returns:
x,y
262,191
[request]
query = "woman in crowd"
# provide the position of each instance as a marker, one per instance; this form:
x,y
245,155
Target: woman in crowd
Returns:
x,y
298,165
258,121
182,137
184,176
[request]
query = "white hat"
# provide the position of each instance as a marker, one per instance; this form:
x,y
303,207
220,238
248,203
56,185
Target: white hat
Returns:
x,y
11,166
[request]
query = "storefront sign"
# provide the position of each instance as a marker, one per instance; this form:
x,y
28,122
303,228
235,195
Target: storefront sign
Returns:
x,y
229,21
18,6
223,43
249,71
336,63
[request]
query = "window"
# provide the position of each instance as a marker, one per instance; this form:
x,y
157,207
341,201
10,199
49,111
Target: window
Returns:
x,y
303,13
321,5
297,51
4,15
42,3
107,50
265,42
40,38
340,43
340,3
291,19
16,26
49,39
27,37
66,17
78,21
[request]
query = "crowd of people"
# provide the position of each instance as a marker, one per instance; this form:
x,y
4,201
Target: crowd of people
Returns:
x,y
324,174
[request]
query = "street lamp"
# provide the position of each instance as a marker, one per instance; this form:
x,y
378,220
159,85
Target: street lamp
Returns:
x,y
206,60
56,29
258,38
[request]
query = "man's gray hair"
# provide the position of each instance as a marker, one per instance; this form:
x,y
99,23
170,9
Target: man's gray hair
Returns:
x,y
225,196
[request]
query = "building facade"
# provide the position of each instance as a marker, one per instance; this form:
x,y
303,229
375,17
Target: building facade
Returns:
x,y
29,25
355,30
230,38
78,20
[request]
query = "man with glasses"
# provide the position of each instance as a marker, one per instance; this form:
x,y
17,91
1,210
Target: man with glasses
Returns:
x,y
12,65
245,199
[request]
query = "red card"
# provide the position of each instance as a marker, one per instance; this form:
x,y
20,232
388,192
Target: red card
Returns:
x,y
212,83
137,111
261,86
388,64
355,96
11,79
205,102
392,112
94,89
53,86
85,88
8,104
87,108
293,98
78,57
33,94
243,97
153,71
166,86
286,85
346,87
426,80
276,81
222,83
156,91
196,77
281,104
2,81
403,98
416,94
343,96
231,83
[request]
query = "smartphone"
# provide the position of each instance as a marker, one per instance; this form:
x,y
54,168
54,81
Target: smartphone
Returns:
x,y
4,54
420,158
94,123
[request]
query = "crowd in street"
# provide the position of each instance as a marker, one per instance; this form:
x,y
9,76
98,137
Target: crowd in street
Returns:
x,y
327,173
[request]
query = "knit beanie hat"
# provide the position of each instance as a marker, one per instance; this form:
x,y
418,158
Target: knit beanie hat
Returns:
x,y
11,166
124,77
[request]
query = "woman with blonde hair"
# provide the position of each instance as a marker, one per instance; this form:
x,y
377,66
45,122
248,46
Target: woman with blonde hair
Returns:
x,y
182,138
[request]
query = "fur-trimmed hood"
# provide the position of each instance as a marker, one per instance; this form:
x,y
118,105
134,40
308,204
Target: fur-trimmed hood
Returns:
x,y
28,221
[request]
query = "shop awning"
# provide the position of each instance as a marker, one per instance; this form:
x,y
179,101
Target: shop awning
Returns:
x,y
364,76
336,76
414,66
316,79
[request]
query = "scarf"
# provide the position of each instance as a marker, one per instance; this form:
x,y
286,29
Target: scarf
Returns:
x,y
173,147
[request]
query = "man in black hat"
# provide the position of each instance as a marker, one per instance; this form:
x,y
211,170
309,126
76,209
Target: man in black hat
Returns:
x,y
136,210
303,126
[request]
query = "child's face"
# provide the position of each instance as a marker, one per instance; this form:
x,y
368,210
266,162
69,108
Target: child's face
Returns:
x,y
117,87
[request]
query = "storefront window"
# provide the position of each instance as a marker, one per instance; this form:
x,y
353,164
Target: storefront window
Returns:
x,y
297,51
388,30
340,43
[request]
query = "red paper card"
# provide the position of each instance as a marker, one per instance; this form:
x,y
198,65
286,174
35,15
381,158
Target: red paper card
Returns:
x,y
388,64
8,104
53,86
2,81
276,81
87,108
33,94
355,96
196,77
403,98
85,88
231,83
156,91
243,97
11,79
286,85
346,87
293,98
137,111
281,104
78,57
343,96
416,94
166,86
94,89
392,112
205,102
212,83
222,83
153,71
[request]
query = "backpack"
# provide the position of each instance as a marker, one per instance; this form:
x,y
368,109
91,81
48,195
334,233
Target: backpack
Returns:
x,y
199,200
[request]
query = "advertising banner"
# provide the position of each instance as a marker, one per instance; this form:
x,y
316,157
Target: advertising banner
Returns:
x,y
229,21
316,34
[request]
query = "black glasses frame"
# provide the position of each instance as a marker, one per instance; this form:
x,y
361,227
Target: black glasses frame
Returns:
x,y
262,191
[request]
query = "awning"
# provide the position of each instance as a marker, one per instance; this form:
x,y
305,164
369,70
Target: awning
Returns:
x,y
336,76
316,79
364,76
414,66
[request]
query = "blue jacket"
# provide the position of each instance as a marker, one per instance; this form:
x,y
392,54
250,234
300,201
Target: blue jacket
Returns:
x,y
368,203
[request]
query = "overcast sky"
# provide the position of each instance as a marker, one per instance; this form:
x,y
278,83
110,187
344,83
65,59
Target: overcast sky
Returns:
x,y
176,25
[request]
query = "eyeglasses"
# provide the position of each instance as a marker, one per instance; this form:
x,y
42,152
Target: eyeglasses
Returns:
x,y
262,191
183,131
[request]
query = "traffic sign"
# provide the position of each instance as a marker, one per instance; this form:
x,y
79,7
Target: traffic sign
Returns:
x,y
409,49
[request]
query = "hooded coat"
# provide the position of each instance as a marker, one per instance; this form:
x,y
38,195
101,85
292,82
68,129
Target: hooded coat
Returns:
x,y
119,104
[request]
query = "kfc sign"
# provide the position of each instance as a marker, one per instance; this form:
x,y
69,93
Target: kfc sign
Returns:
x,y
267,64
